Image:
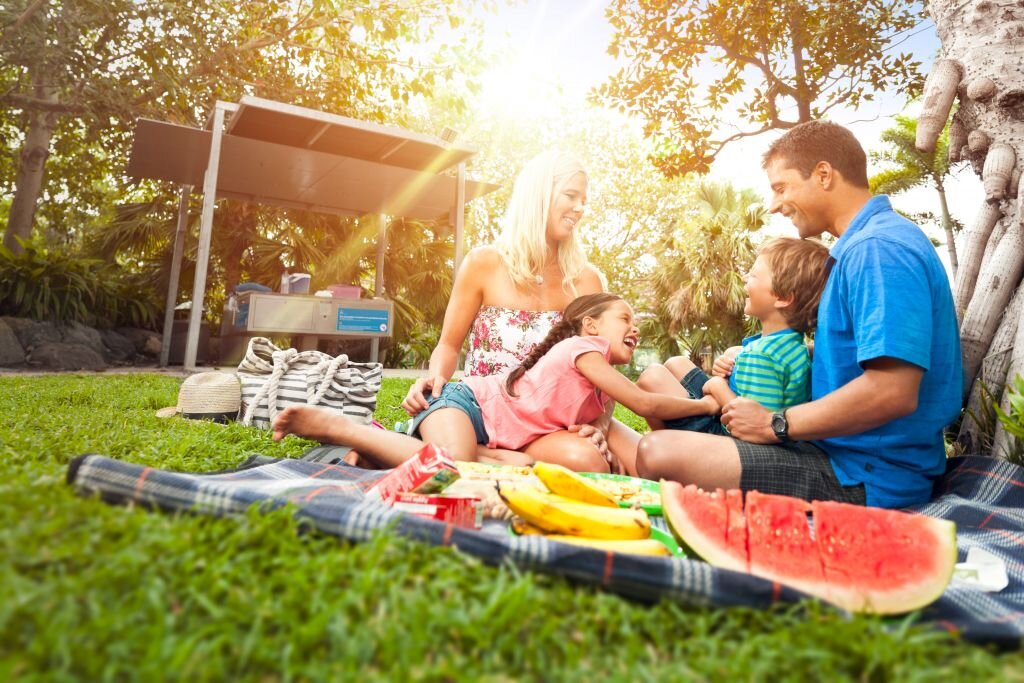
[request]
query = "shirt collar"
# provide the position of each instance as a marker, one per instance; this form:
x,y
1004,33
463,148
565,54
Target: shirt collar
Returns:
x,y
875,205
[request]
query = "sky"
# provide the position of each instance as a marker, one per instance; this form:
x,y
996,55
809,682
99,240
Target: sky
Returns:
x,y
564,42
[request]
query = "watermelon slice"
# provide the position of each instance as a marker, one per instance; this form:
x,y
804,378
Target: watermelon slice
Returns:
x,y
859,558
905,561
780,542
702,521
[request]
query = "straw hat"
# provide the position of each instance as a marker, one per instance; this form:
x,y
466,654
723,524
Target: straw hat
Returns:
x,y
213,396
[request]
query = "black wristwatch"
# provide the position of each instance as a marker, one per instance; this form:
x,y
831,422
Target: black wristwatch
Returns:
x,y
780,425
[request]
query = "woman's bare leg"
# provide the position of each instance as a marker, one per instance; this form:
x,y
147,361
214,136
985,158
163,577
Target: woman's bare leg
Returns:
x,y
622,442
569,450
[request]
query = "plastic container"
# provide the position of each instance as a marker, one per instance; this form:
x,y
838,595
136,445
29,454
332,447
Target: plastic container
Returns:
x,y
346,291
298,283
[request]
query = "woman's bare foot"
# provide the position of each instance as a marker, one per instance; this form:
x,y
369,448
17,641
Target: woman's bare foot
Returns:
x,y
311,423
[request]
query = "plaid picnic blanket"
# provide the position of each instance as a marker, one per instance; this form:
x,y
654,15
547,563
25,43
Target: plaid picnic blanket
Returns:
x,y
984,496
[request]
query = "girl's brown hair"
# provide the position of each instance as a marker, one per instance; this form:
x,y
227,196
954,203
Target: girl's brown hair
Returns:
x,y
586,306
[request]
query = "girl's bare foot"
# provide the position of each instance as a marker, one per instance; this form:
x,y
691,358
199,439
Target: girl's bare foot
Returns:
x,y
311,423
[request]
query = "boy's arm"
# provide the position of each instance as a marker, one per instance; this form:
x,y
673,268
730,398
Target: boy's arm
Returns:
x,y
718,389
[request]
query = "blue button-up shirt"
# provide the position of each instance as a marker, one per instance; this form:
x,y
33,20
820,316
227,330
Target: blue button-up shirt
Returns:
x,y
888,296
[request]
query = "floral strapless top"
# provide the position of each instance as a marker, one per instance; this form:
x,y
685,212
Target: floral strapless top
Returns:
x,y
501,338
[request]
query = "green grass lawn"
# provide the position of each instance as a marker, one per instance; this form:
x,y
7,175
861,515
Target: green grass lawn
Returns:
x,y
96,592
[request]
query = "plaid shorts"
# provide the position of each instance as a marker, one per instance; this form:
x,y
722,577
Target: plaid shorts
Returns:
x,y
797,468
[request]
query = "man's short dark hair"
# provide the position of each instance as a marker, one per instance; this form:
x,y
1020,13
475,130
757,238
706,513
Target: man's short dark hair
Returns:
x,y
803,146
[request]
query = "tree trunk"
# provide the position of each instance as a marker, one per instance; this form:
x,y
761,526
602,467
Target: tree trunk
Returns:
x,y
985,40
28,184
947,227
975,245
992,378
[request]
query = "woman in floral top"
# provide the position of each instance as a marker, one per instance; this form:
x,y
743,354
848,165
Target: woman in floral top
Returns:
x,y
508,295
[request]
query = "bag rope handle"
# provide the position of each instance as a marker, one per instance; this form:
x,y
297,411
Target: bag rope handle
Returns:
x,y
325,372
283,360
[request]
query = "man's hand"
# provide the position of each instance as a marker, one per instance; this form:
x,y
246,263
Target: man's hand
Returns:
x,y
416,400
748,420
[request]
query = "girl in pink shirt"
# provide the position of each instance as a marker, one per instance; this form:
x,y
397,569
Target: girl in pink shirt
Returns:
x,y
568,379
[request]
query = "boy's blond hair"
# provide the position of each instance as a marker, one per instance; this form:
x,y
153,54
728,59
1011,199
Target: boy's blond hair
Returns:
x,y
798,268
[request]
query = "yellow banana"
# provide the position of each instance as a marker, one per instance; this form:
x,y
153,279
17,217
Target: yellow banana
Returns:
x,y
560,515
641,546
524,528
565,482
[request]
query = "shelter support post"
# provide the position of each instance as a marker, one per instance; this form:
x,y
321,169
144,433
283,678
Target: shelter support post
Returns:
x,y
205,231
378,278
459,217
172,285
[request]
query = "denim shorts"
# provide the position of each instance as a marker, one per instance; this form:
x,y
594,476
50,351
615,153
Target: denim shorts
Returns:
x,y
459,396
694,382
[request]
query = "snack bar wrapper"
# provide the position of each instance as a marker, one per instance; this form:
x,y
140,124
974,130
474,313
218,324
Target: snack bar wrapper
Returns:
x,y
427,472
464,511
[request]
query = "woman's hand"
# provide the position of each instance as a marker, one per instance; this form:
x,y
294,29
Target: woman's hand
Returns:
x,y
597,437
417,400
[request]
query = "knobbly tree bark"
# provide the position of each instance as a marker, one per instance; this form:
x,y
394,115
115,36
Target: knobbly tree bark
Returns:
x,y
983,66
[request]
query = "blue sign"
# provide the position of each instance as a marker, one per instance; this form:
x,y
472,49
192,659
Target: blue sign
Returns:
x,y
362,320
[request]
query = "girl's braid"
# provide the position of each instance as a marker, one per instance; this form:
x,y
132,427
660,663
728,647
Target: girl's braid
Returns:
x,y
563,329
586,306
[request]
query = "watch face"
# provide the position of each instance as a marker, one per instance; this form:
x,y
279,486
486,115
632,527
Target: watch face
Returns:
x,y
779,425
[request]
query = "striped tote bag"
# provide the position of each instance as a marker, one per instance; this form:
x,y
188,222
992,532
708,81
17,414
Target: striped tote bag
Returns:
x,y
273,379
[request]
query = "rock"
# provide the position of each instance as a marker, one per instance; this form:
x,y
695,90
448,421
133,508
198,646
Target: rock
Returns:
x,y
117,348
32,333
11,351
61,356
143,340
80,335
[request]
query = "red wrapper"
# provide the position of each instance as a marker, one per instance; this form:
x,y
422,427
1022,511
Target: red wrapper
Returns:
x,y
429,472
464,511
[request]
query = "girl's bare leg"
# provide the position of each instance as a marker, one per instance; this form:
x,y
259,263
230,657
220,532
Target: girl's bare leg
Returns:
x,y
386,448
452,430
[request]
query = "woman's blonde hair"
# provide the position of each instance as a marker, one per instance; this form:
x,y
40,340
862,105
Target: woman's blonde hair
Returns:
x,y
523,242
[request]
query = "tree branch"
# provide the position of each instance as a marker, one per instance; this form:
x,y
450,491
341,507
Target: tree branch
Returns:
x,y
20,21
16,101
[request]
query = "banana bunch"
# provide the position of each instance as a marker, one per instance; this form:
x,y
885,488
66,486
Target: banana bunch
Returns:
x,y
575,511
640,546
565,482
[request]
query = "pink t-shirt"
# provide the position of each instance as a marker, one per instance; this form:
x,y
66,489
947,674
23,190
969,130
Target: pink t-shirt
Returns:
x,y
550,396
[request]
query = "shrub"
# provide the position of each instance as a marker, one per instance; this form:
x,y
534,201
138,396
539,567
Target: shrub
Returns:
x,y
1013,421
45,284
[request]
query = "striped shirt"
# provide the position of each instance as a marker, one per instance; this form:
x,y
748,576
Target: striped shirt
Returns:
x,y
774,370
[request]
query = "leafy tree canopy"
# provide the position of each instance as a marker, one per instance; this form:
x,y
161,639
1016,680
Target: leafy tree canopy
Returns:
x,y
702,73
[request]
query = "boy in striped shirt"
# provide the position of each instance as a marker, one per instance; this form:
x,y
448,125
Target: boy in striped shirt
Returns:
x,y
773,368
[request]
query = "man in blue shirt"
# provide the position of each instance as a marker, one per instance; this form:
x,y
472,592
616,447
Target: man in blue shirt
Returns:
x,y
886,375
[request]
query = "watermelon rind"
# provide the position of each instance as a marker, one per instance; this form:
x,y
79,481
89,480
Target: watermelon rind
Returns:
x,y
685,528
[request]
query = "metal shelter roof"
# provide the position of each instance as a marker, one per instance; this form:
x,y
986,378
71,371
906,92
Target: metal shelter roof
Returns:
x,y
274,153
283,155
